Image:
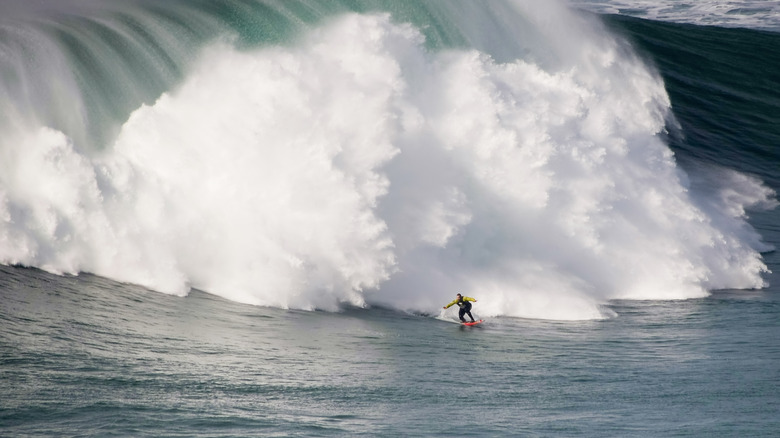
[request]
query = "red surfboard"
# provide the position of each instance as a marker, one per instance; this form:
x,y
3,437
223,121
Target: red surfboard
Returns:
x,y
473,323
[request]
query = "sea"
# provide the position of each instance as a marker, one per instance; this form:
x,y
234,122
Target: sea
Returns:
x,y
230,218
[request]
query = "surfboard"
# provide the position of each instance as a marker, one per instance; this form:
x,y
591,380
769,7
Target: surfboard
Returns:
x,y
473,323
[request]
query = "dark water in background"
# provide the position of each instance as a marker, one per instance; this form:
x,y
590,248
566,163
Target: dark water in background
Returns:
x,y
723,86
89,356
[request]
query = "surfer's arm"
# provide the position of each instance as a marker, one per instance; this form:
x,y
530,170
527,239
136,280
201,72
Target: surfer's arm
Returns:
x,y
450,304
469,299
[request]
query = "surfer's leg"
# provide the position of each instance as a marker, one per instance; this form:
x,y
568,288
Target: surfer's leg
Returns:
x,y
467,311
460,314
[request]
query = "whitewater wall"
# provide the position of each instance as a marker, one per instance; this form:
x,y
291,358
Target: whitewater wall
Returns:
x,y
357,157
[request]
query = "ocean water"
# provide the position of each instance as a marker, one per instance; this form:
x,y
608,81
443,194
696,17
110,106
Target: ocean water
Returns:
x,y
88,356
242,218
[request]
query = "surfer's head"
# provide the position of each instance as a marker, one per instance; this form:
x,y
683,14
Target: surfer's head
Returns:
x,y
458,296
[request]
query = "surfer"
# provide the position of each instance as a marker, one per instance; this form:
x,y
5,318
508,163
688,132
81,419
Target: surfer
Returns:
x,y
465,306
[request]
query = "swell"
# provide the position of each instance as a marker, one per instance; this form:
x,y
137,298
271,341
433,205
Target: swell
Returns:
x,y
722,84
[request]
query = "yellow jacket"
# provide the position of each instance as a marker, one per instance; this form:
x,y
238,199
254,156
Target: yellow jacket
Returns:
x,y
460,303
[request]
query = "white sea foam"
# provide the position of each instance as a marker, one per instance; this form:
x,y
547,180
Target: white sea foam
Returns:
x,y
355,166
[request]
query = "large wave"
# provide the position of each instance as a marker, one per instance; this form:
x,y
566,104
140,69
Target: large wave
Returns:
x,y
354,163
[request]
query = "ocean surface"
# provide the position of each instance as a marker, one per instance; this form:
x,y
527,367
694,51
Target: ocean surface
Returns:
x,y
243,218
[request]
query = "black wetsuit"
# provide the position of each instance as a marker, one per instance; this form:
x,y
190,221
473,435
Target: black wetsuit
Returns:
x,y
465,309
